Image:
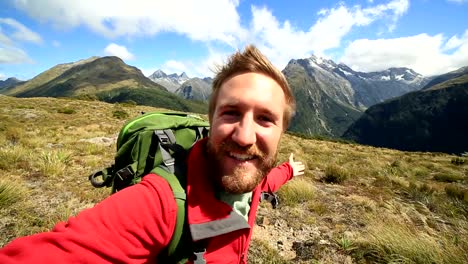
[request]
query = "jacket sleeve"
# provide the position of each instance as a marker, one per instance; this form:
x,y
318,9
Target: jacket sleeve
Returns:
x,y
277,177
131,226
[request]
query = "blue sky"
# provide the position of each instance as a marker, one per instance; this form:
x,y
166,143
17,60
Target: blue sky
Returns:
x,y
429,36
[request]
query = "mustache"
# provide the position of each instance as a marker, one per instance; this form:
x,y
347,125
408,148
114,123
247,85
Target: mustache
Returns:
x,y
231,146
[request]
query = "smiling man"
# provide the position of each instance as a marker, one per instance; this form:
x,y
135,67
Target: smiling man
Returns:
x,y
249,110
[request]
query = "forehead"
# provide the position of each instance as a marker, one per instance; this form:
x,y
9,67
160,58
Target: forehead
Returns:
x,y
253,90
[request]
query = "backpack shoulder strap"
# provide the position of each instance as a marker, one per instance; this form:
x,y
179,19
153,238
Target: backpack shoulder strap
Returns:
x,y
180,197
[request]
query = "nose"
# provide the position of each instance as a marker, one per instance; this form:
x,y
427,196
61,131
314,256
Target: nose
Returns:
x,y
244,133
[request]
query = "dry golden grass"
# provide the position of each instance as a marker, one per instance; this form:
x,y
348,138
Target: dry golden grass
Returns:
x,y
385,197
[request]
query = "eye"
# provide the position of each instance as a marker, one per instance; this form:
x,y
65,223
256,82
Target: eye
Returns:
x,y
265,119
230,112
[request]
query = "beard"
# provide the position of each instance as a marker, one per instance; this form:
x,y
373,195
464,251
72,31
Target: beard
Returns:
x,y
241,179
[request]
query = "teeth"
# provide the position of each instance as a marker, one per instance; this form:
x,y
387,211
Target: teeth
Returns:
x,y
242,157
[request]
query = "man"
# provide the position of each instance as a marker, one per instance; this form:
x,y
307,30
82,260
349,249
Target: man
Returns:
x,y
250,108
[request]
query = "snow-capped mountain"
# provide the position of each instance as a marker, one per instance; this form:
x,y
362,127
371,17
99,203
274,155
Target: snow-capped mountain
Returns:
x,y
171,82
335,95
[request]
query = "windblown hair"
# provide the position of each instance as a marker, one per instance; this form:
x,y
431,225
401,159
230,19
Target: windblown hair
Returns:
x,y
252,61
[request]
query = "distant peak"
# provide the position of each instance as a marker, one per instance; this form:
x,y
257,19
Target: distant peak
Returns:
x,y
158,74
183,75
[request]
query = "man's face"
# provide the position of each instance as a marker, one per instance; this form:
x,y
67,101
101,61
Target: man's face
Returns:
x,y
246,127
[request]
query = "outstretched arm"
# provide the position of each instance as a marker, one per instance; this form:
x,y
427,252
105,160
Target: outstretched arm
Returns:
x,y
283,173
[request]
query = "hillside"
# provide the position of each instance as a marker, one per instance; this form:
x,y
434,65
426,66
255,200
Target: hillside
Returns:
x,y
433,119
108,79
355,204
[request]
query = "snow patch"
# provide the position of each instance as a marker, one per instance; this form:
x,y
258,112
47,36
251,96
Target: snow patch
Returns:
x,y
345,72
385,78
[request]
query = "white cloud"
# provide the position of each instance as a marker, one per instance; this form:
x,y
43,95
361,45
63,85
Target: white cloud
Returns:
x,y
423,53
13,55
21,32
281,41
205,20
205,67
2,76
119,51
173,66
12,33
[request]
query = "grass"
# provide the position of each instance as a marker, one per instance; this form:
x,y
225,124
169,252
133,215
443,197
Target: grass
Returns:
x,y
295,192
11,193
390,241
402,207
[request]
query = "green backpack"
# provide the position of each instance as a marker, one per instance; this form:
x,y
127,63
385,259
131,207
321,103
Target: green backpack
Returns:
x,y
156,142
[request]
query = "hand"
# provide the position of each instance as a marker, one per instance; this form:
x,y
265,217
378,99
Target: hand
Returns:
x,y
298,166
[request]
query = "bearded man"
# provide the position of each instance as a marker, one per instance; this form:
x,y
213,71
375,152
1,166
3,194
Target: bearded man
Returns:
x,y
249,110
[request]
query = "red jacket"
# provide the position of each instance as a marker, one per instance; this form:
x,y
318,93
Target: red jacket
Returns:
x,y
136,224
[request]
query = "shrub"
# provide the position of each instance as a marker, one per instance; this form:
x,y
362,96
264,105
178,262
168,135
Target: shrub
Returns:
x,y
458,161
67,111
120,114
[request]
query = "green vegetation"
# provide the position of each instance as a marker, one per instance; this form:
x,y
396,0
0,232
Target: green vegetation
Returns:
x,y
376,206
153,97
264,254
67,111
120,114
426,120
10,193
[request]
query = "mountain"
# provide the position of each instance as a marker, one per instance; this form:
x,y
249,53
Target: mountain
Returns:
x,y
195,89
320,109
9,84
445,77
332,96
171,82
108,79
47,76
432,119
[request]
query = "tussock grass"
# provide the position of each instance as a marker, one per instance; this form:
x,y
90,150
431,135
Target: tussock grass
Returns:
x,y
12,155
457,192
389,241
11,193
335,174
296,191
53,163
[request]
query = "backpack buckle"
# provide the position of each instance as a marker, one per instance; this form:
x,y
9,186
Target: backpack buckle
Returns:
x,y
125,173
199,258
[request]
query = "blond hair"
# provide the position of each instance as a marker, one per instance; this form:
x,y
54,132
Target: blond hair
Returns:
x,y
252,60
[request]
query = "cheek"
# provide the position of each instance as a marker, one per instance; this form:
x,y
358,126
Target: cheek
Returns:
x,y
269,139
219,132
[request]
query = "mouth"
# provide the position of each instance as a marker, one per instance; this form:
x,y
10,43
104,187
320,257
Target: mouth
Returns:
x,y
241,157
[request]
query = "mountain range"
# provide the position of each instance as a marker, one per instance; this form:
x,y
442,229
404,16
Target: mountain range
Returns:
x,y
188,88
434,118
332,99
332,96
171,82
